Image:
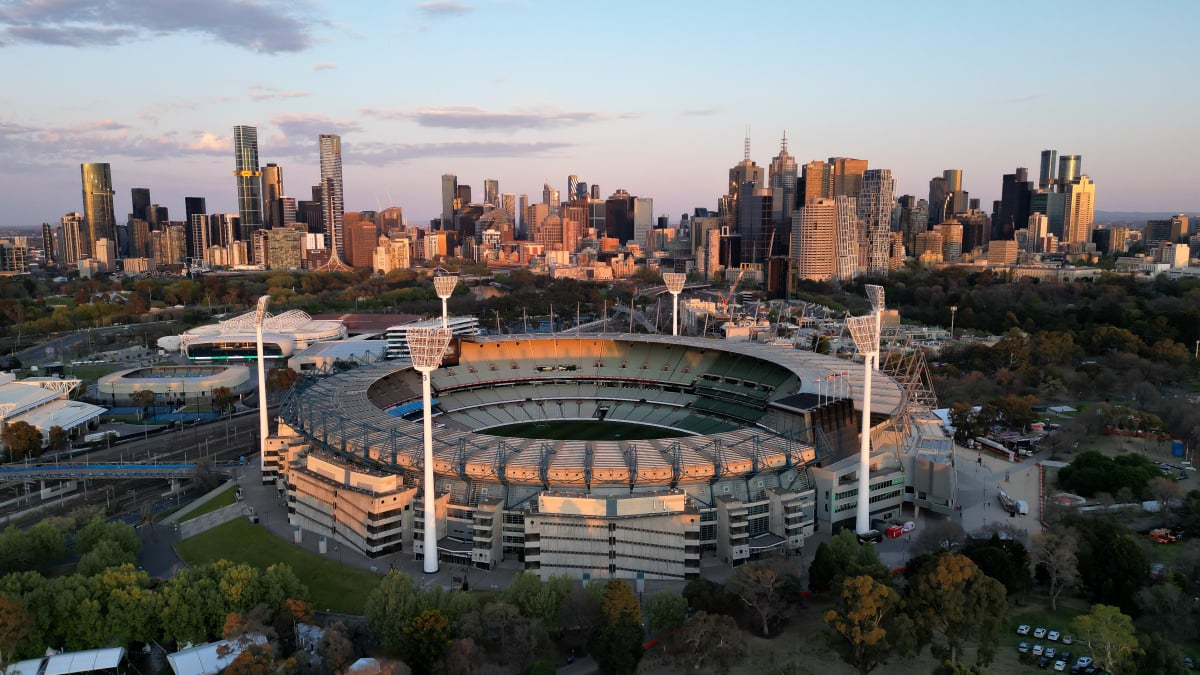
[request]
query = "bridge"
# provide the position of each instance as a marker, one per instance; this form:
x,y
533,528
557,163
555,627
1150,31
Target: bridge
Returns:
x,y
113,471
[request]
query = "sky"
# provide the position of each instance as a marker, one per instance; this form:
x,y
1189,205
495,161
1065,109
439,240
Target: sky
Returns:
x,y
653,97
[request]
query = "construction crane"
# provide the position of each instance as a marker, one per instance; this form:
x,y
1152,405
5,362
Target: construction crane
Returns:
x,y
732,289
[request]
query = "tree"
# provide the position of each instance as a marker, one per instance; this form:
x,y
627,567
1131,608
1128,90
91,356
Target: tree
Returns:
x,y
223,399
390,607
1054,557
616,643
21,440
104,555
1166,610
938,535
281,379
760,588
539,600
1166,492
130,606
500,629
666,610
1158,656
869,624
711,643
843,556
57,438
191,608
97,530
426,638
955,599
1109,633
15,621
143,399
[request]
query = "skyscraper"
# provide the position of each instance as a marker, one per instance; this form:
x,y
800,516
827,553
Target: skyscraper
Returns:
x,y
1070,167
847,175
875,200
572,186
846,244
141,203
197,241
814,238
550,198
508,202
331,186
491,191
816,182
272,191
249,179
1015,205
782,176
1079,210
643,219
1046,175
99,221
449,197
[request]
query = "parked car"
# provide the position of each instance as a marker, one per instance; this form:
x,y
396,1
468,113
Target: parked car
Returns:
x,y
909,526
1060,665
1039,632
1037,650
1023,648
1068,640
1023,629
1053,636
1043,662
1084,661
1050,652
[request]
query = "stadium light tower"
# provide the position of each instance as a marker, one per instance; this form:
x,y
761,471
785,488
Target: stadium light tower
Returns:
x,y
674,282
260,316
444,286
428,346
865,332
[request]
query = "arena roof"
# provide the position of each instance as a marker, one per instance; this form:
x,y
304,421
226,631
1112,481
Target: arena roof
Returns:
x,y
294,323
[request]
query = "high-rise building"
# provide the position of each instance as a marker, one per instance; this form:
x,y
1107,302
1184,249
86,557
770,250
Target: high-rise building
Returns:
x,y
100,221
1079,210
449,197
618,217
572,186
1052,205
1046,173
846,244
643,219
550,198
1070,167
272,191
847,175
508,203
522,225
331,186
876,197
816,182
783,175
581,191
491,191
1015,205
249,179
141,203
196,237
1164,231
814,240
72,239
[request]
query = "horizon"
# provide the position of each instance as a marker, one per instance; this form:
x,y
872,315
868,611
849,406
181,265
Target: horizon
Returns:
x,y
429,88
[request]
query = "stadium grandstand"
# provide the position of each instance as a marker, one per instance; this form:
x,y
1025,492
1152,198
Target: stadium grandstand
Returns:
x,y
173,385
741,431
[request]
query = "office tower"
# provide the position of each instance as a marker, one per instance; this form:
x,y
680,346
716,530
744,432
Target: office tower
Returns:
x,y
550,198
1037,232
449,196
1164,231
937,200
846,243
557,233
48,246
72,238
783,175
331,187
1079,210
1053,205
1069,169
464,197
391,221
581,191
618,217
361,238
1046,174
975,228
508,203
847,175
522,225
814,240
284,246
141,203
491,191
951,233
272,192
572,186
755,223
197,236
1111,239
99,221
595,191
1015,205
249,178
816,182
911,220
643,219
875,199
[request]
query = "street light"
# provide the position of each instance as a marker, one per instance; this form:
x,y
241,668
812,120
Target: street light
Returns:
x,y
427,347
674,282
444,287
864,330
953,312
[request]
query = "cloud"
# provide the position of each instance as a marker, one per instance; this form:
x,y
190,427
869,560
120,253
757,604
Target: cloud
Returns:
x,y
385,153
470,117
443,8
154,110
264,26
98,141
324,66
701,112
212,143
263,92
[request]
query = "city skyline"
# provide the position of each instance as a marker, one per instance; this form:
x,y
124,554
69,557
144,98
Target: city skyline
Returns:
x,y
670,131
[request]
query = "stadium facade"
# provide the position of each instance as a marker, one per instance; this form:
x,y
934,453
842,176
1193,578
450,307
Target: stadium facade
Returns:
x,y
762,458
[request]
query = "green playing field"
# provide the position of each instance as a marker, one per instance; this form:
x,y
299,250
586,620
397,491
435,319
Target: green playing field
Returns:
x,y
584,430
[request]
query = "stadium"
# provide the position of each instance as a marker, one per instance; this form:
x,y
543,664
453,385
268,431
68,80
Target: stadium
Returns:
x,y
597,456
235,339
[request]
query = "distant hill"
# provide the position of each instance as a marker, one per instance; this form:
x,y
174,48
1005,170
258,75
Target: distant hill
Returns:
x,y
1137,217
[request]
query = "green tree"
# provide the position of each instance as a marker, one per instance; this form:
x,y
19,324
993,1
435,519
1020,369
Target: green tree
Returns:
x,y
191,608
277,584
143,399
97,530
223,399
104,555
426,638
1158,656
760,588
843,556
666,610
869,624
57,438
955,599
1110,634
130,606
539,600
616,643
390,607
21,439
499,628
15,621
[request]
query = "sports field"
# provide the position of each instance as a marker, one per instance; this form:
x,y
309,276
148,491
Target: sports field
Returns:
x,y
584,430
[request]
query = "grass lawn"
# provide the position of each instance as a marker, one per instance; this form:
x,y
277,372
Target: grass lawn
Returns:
x,y
584,430
227,497
92,372
331,586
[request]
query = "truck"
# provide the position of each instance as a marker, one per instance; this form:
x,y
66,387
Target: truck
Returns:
x,y
1022,507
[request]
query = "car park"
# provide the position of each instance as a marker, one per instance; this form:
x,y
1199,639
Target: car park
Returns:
x,y
1052,636
1023,629
1039,632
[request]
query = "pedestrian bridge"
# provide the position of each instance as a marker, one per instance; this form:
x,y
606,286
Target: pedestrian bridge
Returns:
x,y
90,470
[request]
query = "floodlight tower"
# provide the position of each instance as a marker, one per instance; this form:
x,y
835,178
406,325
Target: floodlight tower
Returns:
x,y
865,332
428,346
674,282
260,316
444,287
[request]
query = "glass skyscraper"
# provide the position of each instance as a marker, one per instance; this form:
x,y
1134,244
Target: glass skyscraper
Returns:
x,y
99,219
331,189
249,180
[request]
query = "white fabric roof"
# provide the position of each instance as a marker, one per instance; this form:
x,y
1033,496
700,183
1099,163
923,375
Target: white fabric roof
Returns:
x,y
65,414
208,658
82,662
